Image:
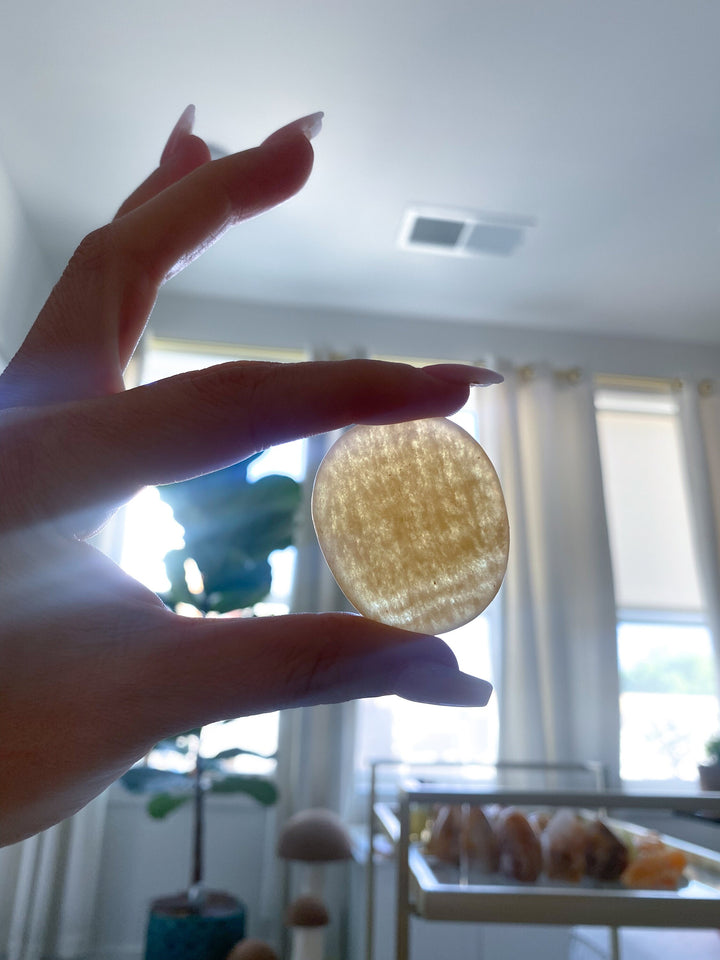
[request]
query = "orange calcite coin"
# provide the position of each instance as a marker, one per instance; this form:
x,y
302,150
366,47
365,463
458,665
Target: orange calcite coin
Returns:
x,y
412,522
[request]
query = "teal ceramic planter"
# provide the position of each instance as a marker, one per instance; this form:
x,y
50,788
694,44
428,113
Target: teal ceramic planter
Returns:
x,y
177,930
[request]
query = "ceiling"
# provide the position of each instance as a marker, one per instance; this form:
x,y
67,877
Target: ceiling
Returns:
x,y
598,121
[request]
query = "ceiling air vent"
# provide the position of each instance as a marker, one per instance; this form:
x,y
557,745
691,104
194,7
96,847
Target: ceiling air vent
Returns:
x,y
459,233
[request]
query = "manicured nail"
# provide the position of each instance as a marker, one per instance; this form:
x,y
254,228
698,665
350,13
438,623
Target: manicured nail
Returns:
x,y
429,682
464,373
181,129
310,126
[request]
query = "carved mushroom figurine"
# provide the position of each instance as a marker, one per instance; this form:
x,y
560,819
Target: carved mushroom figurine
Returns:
x,y
314,837
307,918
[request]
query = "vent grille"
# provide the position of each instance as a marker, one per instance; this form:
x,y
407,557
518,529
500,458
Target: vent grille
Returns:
x,y
434,230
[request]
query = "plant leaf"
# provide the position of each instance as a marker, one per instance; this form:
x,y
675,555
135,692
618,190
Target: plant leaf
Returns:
x,y
230,527
151,780
164,803
238,752
208,487
262,790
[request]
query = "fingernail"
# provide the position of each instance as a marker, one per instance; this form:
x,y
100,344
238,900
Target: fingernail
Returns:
x,y
464,373
436,683
310,126
181,129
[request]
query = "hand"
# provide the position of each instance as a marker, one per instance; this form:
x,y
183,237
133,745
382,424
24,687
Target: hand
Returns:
x,y
94,668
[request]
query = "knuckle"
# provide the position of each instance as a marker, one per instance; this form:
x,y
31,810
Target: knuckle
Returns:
x,y
109,255
208,389
95,251
316,667
107,250
237,389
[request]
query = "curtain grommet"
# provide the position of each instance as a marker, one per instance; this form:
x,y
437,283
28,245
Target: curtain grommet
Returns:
x,y
705,388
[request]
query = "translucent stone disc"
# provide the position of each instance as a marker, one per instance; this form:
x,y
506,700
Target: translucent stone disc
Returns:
x,y
412,522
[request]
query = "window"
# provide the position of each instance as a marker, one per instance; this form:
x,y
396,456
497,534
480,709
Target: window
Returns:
x,y
668,701
388,727
150,531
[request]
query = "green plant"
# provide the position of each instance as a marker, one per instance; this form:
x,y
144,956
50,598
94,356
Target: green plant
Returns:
x,y
231,526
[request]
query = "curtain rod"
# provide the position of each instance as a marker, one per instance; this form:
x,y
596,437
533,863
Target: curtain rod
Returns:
x,y
230,350
612,381
609,381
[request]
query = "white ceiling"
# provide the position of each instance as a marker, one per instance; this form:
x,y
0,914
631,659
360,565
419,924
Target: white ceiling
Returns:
x,y
599,119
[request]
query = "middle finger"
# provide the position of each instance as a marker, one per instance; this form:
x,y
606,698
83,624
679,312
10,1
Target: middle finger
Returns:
x,y
101,451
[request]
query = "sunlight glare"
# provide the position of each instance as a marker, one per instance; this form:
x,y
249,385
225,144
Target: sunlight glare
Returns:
x,y
150,532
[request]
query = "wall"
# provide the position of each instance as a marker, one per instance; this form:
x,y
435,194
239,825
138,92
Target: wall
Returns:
x,y
25,279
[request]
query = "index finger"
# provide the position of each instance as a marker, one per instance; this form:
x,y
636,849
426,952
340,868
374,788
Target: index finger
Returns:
x,y
102,451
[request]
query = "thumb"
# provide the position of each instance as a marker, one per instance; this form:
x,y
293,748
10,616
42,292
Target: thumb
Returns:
x,y
202,670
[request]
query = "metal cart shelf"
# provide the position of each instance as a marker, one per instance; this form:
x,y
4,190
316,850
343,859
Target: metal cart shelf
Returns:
x,y
436,891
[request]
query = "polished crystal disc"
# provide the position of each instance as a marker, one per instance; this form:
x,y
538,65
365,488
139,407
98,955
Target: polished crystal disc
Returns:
x,y
412,522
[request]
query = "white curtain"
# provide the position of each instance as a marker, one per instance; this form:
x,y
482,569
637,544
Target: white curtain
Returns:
x,y
700,424
312,757
48,885
557,678
315,744
315,751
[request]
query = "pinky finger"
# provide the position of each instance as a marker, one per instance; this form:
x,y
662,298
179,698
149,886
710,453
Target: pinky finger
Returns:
x,y
183,153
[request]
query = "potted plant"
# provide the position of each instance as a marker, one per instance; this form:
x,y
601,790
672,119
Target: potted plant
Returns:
x,y
710,770
231,526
